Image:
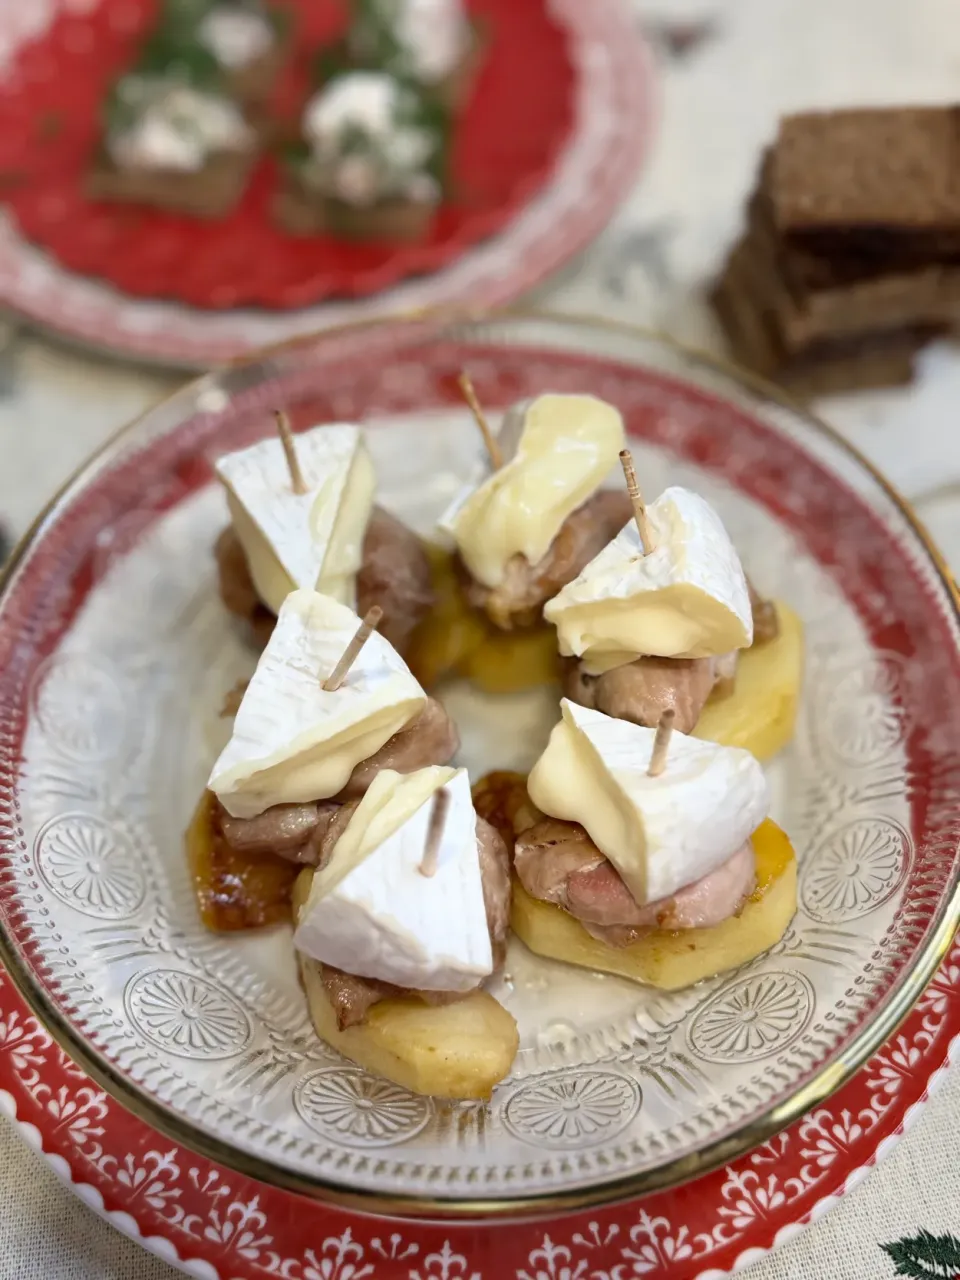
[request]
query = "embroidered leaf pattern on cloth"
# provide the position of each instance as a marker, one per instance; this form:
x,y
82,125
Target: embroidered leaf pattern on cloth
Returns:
x,y
926,1256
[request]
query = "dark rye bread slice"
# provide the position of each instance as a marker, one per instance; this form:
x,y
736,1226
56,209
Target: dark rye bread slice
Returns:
x,y
878,184
806,270
852,363
300,212
805,313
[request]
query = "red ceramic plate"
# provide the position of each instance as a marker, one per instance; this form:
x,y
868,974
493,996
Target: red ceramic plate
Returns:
x,y
216,1225
506,145
561,123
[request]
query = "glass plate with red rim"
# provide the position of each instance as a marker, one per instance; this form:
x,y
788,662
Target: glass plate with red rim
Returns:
x,y
115,654
549,144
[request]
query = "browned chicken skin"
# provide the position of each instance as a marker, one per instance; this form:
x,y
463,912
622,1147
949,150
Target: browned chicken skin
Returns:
x,y
299,832
287,830
334,830
353,998
518,601
558,862
641,691
395,574
430,739
548,853
495,876
501,798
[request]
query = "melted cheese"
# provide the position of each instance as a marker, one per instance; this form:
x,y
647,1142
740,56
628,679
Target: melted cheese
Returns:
x,y
371,911
292,739
311,540
660,833
557,449
687,599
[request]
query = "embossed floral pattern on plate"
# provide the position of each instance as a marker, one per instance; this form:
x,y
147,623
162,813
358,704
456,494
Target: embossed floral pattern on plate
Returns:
x,y
215,1028
752,1018
91,865
355,1107
856,870
81,706
863,720
187,1015
573,1110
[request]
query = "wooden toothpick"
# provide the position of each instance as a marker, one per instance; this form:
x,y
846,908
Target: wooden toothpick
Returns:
x,y
661,744
289,449
639,509
431,847
349,656
489,439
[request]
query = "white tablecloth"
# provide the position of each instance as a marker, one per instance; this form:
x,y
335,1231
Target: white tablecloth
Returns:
x,y
729,67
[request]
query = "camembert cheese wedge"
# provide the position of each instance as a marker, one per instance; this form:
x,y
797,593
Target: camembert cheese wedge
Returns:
x,y
557,451
312,539
292,739
372,911
687,599
661,833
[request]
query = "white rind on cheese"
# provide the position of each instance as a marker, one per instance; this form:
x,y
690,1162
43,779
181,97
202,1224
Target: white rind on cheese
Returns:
x,y
371,911
558,449
292,739
314,539
687,599
660,833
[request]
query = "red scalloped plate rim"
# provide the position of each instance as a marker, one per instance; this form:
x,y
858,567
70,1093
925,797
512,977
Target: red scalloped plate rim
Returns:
x,y
123,257
122,254
108,1158
491,273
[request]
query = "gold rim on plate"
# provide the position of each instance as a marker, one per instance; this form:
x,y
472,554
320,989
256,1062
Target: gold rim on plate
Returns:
x,y
429,325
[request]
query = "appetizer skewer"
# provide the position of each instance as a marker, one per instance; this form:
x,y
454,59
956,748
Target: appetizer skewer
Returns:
x,y
395,920
664,618
378,925
637,849
303,516
645,852
496,636
531,525
298,752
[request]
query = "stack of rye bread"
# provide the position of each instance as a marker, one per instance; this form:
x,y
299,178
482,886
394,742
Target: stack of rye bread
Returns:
x,y
850,261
